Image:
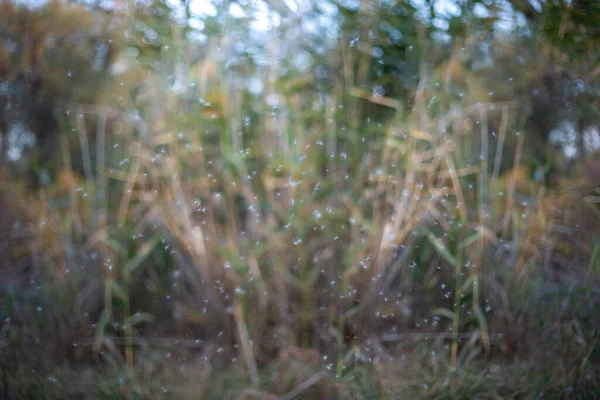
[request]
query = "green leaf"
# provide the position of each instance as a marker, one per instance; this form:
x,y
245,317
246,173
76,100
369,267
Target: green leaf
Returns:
x,y
483,328
113,244
116,289
292,280
234,259
352,311
443,312
443,250
139,317
594,258
472,239
102,323
467,283
142,253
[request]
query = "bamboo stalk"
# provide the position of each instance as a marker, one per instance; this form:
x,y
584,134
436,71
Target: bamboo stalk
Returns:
x,y
245,343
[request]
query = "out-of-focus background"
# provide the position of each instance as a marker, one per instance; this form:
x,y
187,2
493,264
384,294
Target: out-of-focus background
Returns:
x,y
295,199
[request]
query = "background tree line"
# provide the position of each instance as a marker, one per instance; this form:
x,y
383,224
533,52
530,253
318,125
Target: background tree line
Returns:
x,y
63,53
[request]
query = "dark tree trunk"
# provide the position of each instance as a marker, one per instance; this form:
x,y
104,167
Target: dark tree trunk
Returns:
x,y
582,152
3,144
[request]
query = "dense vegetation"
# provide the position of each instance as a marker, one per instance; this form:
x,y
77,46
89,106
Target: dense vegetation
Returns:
x,y
336,200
